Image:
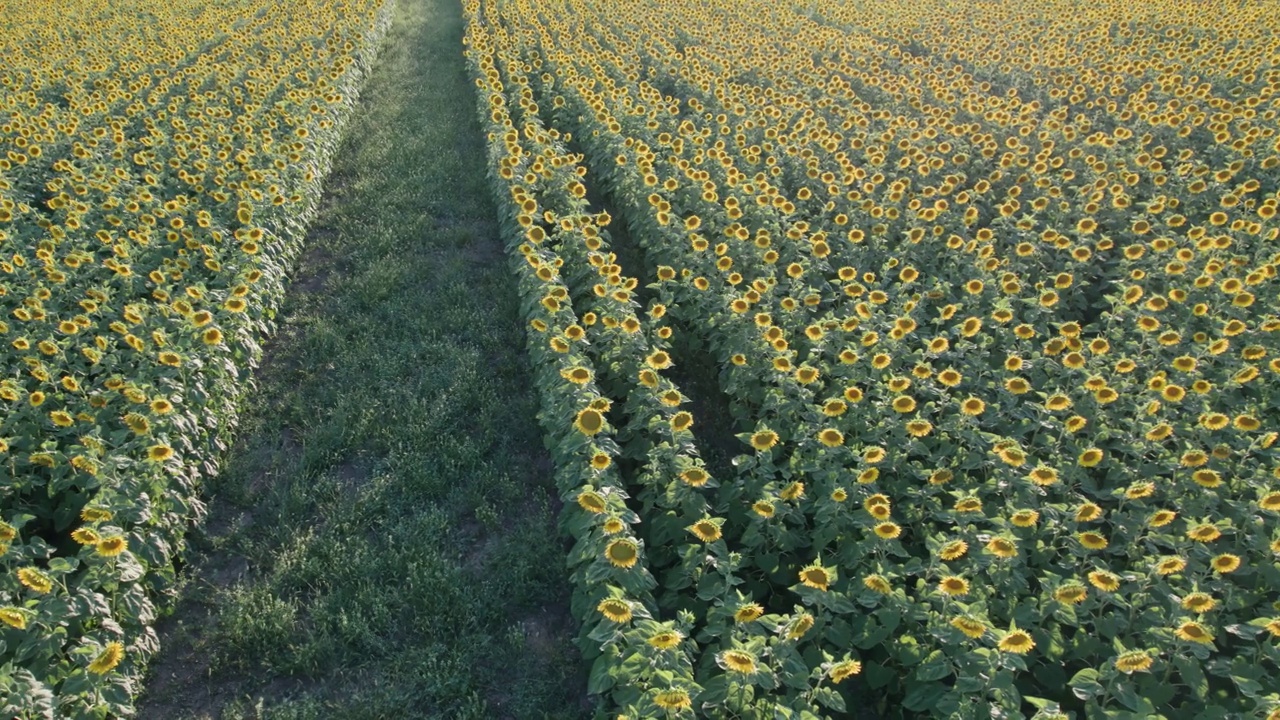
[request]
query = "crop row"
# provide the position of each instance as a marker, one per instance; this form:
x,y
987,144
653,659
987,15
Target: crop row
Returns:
x,y
158,165
996,323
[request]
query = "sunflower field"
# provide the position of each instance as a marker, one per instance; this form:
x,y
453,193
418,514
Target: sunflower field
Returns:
x,y
989,290
158,163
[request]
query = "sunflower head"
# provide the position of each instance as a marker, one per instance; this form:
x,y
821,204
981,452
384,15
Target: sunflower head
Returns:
x,y
738,661
749,612
954,585
1018,642
816,577
971,627
622,553
615,610
1133,661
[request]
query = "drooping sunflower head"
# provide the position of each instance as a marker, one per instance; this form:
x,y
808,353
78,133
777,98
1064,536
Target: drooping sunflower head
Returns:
x,y
1071,593
1002,547
108,659
1198,602
877,583
592,501
953,550
844,670
666,639
798,627
971,627
111,546
738,661
1104,580
1133,661
695,477
1192,631
615,609
673,700
1017,641
749,612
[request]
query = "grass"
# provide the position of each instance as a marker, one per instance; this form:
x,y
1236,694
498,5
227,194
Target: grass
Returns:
x,y
381,542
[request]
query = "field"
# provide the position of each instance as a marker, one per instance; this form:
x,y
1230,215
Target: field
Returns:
x,y
877,360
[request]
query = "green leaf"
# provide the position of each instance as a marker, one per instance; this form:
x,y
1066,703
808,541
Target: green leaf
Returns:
x,y
922,697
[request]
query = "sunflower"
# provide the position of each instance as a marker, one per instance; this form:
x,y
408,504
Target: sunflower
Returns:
x,y
1103,580
1071,593
968,505
954,585
673,700
877,583
1018,642
577,375
1205,477
816,577
834,408
904,404
1090,457
14,617
1011,455
706,530
1043,476
764,439
1133,661
622,553
108,659
658,360
1024,518
665,640
589,421
592,501
738,661
1002,547
748,613
1088,512
887,530
971,627
1270,501
831,437
802,625
763,508
681,421
1192,631
1225,563
1198,602
1160,518
844,670
1170,565
953,550
615,610
972,406
111,546
695,477
1204,533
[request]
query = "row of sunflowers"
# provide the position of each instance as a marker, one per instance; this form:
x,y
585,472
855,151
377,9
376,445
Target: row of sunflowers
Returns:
x,y
990,293
158,164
